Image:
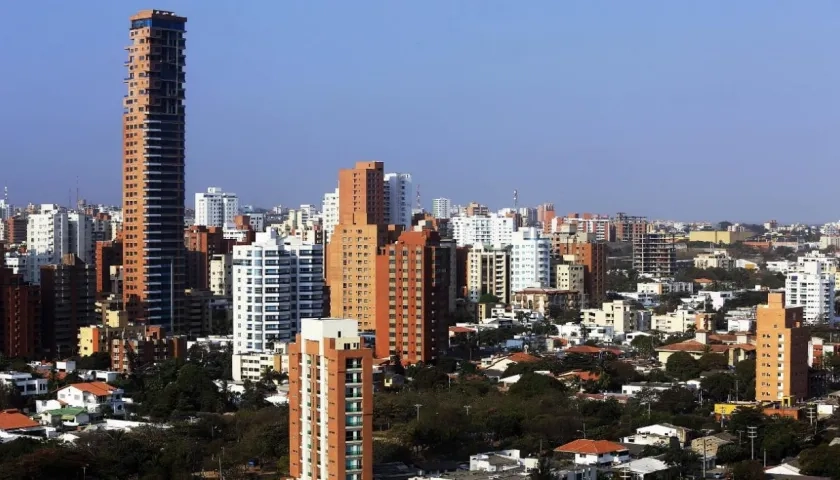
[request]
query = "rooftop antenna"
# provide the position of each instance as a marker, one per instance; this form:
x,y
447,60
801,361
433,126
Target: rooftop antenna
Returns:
x,y
515,199
77,191
419,204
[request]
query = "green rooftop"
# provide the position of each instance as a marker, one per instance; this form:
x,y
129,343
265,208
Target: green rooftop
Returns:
x,y
67,413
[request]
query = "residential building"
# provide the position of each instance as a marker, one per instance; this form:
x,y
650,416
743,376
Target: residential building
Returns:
x,y
68,294
545,216
678,321
95,397
654,254
399,195
131,345
442,208
329,214
47,239
488,271
480,230
707,447
569,274
598,225
251,366
664,287
587,252
198,315
25,383
20,314
595,452
811,285
718,237
411,321
215,208
330,402
360,233
80,236
629,228
153,170
715,259
530,260
12,421
830,241
546,301
201,244
108,255
618,314
781,351
221,275
14,229
276,282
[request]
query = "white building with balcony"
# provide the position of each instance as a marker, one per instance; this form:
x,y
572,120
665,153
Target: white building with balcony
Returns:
x,y
399,195
276,282
530,260
215,208
618,314
715,259
329,214
93,396
24,383
811,285
483,230
442,208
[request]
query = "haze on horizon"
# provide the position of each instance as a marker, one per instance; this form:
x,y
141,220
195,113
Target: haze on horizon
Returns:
x,y
698,111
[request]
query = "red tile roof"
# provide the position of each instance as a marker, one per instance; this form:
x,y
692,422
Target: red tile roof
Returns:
x,y
14,420
520,357
97,388
461,330
696,347
591,447
582,375
583,349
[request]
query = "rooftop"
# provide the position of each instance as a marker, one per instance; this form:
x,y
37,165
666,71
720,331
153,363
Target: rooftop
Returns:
x,y
96,388
591,447
14,420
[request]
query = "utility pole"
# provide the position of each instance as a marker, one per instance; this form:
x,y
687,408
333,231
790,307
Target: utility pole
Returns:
x,y
812,416
625,474
704,459
467,408
417,406
752,433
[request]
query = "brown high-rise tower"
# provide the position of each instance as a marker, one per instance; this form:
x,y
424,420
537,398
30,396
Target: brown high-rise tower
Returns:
x,y
355,242
153,170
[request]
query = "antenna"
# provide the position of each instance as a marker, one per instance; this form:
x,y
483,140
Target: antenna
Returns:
x,y
515,199
419,204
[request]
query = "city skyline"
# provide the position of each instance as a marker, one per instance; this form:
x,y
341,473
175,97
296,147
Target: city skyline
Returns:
x,y
652,112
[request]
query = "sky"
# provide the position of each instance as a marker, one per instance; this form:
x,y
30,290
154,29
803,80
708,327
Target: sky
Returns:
x,y
713,110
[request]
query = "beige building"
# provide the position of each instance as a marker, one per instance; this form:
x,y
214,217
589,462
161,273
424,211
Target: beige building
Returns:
x,y
488,271
543,299
569,275
716,259
221,275
781,362
251,366
661,288
617,314
718,236
674,322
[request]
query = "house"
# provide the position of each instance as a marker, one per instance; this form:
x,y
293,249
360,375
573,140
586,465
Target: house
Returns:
x,y
25,383
593,351
644,468
12,421
707,447
67,416
666,430
595,452
93,396
502,363
501,461
740,348
634,388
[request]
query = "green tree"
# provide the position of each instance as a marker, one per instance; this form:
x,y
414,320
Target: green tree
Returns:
x,y
645,345
533,384
94,361
712,361
730,453
683,460
489,298
746,470
677,400
718,387
543,470
745,377
682,366
821,461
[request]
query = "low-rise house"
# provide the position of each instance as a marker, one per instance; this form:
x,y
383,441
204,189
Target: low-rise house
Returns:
x,y
643,468
502,363
500,461
595,452
705,342
67,416
25,383
106,376
93,396
666,430
14,422
634,388
707,447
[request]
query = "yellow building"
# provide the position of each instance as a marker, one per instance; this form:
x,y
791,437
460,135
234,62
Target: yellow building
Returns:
x,y
718,236
781,351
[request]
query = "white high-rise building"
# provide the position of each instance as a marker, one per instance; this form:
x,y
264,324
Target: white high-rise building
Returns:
x,y
480,230
329,212
47,239
399,193
5,209
81,238
530,260
442,208
810,284
276,282
215,208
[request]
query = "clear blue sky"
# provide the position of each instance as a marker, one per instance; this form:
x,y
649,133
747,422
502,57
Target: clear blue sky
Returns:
x,y
694,110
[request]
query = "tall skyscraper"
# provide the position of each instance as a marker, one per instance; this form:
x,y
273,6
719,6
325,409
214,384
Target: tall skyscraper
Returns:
x,y
153,169
399,193
355,242
781,351
411,319
442,208
530,260
215,208
330,402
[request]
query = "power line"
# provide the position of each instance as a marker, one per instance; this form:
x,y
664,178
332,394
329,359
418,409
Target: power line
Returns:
x,y
752,433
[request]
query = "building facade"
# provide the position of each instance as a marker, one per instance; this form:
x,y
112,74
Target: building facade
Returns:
x,y
153,169
591,254
329,213
811,285
781,351
277,281
412,319
201,244
655,254
68,296
215,208
442,208
330,402
480,230
399,195
530,260
488,271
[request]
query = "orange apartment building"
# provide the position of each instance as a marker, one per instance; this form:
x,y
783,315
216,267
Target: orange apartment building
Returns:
x,y
781,352
15,229
411,321
153,170
355,242
141,344
629,228
593,257
330,402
